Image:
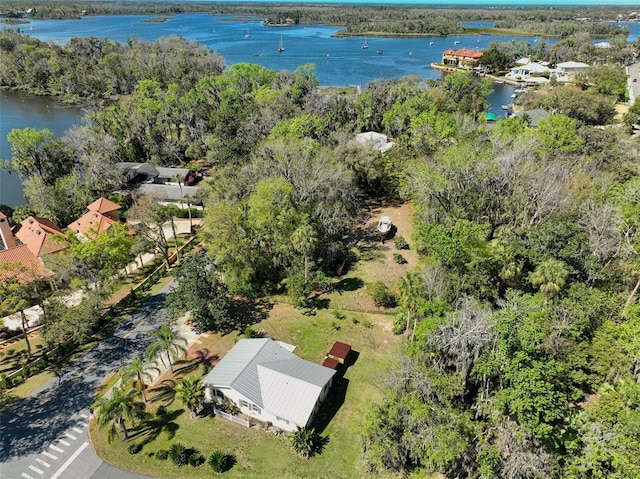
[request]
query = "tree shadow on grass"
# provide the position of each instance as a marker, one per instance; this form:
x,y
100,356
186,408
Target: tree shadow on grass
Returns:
x,y
183,367
165,391
337,395
348,284
151,429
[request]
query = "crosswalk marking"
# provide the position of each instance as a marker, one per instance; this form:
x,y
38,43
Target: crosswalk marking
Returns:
x,y
34,468
77,429
49,455
70,436
56,448
84,416
44,463
69,461
26,476
64,443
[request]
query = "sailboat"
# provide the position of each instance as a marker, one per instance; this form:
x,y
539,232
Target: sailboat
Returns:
x,y
364,45
248,35
281,47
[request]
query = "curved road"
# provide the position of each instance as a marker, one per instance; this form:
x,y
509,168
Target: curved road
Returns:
x,y
45,435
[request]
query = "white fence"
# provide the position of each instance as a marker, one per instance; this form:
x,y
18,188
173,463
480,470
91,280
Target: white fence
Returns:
x,y
237,420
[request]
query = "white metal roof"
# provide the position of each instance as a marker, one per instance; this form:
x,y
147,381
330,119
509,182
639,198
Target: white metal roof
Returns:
x,y
272,377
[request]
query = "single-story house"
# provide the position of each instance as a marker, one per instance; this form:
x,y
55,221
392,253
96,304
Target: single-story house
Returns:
x,y
524,72
136,173
265,380
171,194
567,69
463,58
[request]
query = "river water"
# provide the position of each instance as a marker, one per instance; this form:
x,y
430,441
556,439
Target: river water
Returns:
x,y
338,61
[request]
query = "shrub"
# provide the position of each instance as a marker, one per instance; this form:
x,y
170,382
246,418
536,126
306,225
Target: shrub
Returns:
x,y
338,315
178,454
367,324
250,333
381,295
162,454
217,460
401,243
134,448
398,258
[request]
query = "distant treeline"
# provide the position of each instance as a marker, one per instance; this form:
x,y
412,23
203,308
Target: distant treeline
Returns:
x,y
92,68
359,19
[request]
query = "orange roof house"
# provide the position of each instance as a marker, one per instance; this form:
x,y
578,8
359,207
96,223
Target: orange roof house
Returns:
x,y
39,235
462,58
22,265
105,207
102,214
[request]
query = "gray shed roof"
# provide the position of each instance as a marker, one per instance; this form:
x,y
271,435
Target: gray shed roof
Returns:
x,y
171,173
272,377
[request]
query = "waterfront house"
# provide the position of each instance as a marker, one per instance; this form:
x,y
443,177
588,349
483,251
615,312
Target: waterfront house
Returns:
x,y
463,58
528,70
266,381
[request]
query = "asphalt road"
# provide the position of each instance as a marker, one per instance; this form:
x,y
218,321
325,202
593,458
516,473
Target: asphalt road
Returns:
x,y
45,435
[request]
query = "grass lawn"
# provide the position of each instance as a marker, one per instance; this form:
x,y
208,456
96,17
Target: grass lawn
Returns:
x,y
346,315
260,454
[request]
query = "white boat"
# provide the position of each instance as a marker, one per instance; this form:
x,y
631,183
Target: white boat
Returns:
x,y
430,43
364,45
457,42
379,52
247,35
281,47
384,225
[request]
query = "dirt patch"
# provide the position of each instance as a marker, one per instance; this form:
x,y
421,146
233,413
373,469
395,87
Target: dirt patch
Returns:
x,y
379,264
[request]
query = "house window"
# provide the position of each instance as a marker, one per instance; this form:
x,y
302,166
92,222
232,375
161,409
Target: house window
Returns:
x,y
278,418
243,403
219,393
256,408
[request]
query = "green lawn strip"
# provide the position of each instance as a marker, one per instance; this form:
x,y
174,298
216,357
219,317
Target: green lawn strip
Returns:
x,y
260,454
14,356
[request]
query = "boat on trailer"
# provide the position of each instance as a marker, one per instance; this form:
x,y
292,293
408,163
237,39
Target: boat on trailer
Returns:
x,y
384,226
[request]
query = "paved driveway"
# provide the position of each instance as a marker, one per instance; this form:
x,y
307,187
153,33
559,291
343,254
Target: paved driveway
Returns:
x,y
45,435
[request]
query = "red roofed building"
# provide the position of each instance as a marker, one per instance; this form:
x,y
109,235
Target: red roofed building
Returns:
x,y
39,235
22,265
340,352
462,58
102,214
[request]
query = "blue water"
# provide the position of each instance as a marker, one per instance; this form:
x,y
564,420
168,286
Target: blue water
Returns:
x,y
339,61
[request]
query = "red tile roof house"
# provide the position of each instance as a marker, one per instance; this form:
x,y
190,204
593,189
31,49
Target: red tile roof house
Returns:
x,y
41,236
102,214
268,382
22,262
462,58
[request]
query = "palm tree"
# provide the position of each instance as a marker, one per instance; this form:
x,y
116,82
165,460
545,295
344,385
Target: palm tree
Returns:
x,y
191,393
410,289
15,297
305,441
167,341
115,410
138,368
304,240
550,276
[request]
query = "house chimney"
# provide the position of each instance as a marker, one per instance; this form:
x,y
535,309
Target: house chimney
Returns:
x,y
6,238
